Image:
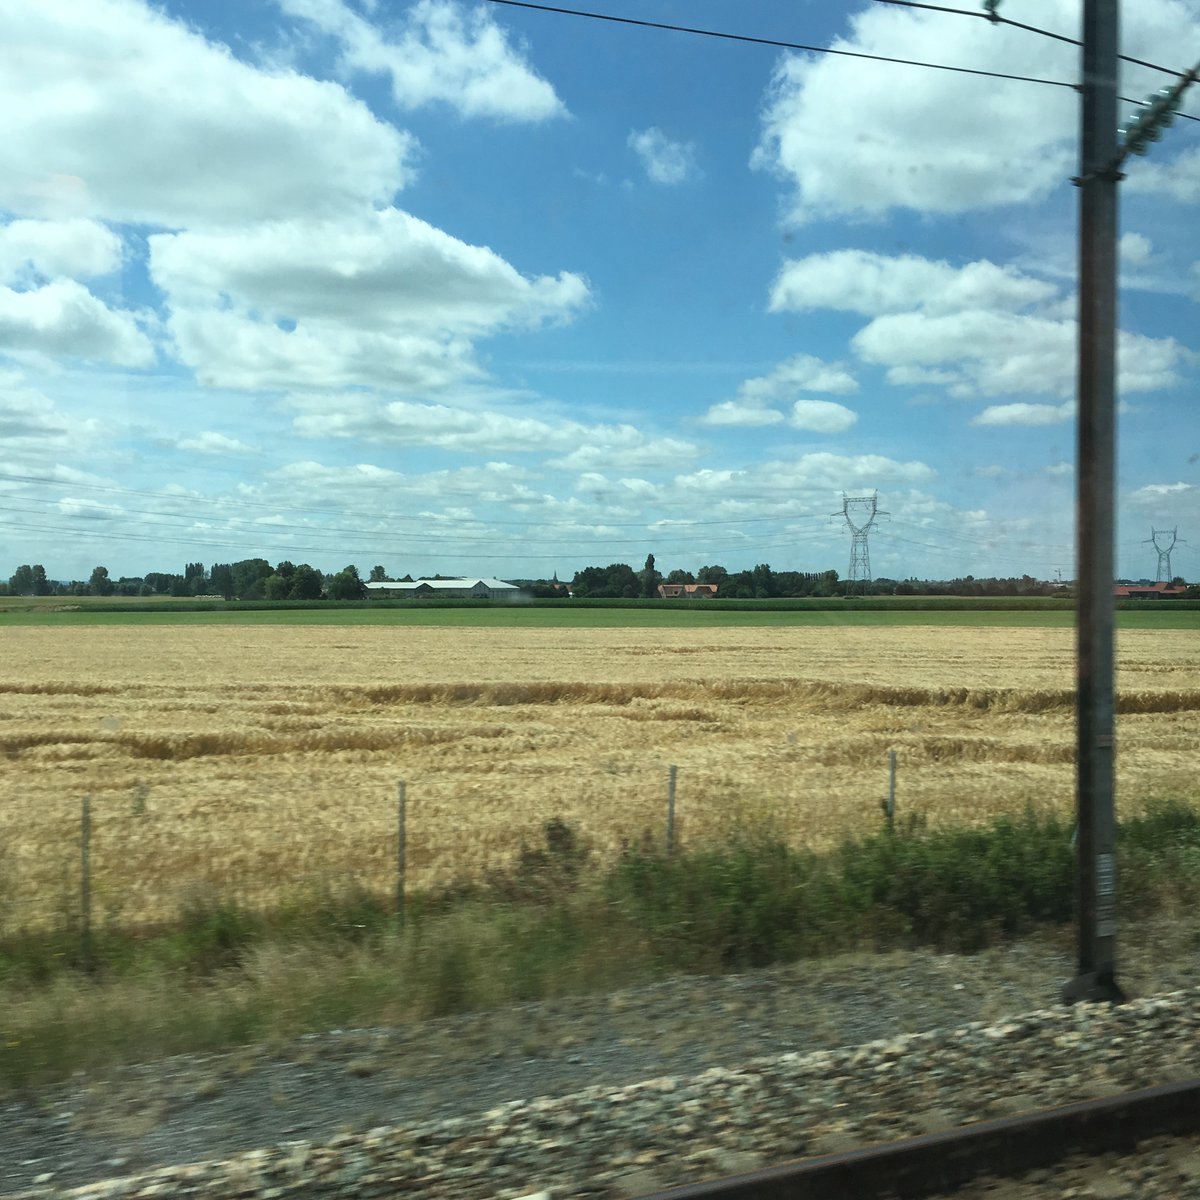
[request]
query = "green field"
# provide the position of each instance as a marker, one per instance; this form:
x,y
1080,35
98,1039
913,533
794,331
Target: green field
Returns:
x,y
15,612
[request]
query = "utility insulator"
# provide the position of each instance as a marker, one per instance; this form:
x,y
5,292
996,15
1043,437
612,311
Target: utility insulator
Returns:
x,y
1145,125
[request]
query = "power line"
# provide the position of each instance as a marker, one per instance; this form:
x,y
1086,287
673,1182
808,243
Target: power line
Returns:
x,y
242,502
777,43
475,528
634,548
994,18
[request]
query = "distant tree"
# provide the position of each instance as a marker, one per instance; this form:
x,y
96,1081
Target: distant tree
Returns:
x,y
346,585
713,574
826,584
678,576
615,580
41,585
378,575
286,569
307,583
248,576
130,585
649,579
99,583
159,582
764,581
276,587
180,586
196,579
20,583
220,579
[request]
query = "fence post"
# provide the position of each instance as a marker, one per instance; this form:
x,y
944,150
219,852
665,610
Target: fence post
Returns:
x,y
889,805
85,884
401,847
671,772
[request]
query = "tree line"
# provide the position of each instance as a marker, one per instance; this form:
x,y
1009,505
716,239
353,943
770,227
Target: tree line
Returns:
x,y
249,579
257,579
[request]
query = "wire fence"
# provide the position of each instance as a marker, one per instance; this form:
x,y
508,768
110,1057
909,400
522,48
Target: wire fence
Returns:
x,y
106,880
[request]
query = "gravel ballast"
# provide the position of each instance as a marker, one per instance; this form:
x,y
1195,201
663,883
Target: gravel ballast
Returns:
x,y
607,1096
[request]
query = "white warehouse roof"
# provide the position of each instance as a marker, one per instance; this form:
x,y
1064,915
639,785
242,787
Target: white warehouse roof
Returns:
x,y
445,585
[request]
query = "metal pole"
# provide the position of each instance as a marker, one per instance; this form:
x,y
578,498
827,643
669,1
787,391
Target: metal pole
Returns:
x,y
1095,471
671,810
85,884
891,800
401,847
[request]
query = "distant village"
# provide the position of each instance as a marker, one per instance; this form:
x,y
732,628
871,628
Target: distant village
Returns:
x,y
257,579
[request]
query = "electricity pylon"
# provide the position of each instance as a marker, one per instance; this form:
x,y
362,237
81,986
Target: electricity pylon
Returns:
x,y
865,510
1164,552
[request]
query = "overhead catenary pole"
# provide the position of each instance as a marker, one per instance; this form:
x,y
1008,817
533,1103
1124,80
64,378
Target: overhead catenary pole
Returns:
x,y
1095,476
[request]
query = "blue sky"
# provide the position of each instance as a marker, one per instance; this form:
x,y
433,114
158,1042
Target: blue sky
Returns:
x,y
466,288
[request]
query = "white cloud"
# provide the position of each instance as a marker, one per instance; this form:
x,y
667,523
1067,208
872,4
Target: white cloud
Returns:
x,y
871,284
577,447
800,373
1177,179
30,421
860,138
381,298
227,349
88,510
623,448
1061,470
1026,414
1158,491
739,414
213,443
110,93
404,423
1135,249
441,52
822,416
665,161
996,353
50,249
63,318
820,474
979,329
385,271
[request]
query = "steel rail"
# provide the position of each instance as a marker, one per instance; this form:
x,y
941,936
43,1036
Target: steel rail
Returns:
x,y
940,1162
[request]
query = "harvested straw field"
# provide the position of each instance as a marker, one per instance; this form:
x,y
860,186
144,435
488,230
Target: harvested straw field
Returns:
x,y
254,758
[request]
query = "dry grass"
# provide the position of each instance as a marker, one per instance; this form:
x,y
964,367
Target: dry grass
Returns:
x,y
253,758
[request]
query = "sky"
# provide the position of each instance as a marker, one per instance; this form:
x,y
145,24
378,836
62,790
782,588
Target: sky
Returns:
x,y
467,288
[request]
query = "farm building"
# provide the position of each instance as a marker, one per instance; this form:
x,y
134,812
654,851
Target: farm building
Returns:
x,y
1149,591
687,591
468,588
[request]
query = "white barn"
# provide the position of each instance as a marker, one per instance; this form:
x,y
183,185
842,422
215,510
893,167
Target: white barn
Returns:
x,y
466,588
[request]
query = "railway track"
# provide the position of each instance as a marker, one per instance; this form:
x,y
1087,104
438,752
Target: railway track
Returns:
x,y
937,1163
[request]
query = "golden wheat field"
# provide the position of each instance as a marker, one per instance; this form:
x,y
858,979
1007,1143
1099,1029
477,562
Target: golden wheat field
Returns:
x,y
254,758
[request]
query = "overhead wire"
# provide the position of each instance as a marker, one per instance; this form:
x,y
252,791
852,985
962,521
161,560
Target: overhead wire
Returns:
x,y
476,528
777,43
783,44
994,18
274,507
634,547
